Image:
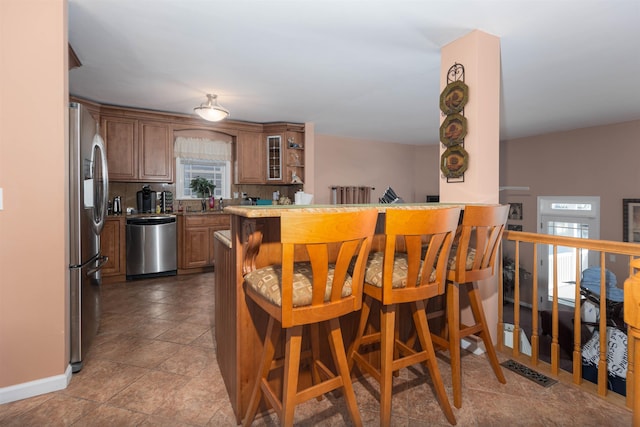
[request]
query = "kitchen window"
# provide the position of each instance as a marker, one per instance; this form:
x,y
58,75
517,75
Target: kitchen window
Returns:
x,y
206,158
216,171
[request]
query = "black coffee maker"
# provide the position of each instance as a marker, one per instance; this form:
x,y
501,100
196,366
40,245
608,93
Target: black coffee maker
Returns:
x,y
146,200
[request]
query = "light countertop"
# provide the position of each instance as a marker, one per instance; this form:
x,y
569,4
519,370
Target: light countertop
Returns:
x,y
224,236
275,210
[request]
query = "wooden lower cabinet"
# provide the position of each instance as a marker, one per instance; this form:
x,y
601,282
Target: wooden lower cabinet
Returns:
x,y
113,245
196,239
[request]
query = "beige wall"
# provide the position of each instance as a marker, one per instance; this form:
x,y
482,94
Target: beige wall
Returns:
x,y
349,161
426,171
598,161
33,165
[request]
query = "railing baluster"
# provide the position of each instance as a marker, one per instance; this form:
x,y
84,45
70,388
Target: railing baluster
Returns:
x,y
516,304
535,341
630,345
577,324
555,346
500,331
630,250
603,374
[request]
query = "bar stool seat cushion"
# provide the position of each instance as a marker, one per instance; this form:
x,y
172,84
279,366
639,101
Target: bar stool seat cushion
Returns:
x,y
471,256
373,272
267,281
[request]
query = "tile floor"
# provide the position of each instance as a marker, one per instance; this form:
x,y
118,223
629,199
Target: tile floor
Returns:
x,y
153,364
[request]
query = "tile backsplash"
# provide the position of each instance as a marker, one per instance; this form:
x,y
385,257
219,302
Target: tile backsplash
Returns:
x,y
128,190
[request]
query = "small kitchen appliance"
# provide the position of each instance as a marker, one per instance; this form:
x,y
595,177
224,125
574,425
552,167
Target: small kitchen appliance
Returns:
x,y
146,200
117,205
166,202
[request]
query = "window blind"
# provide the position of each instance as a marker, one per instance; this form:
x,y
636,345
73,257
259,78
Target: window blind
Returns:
x,y
201,149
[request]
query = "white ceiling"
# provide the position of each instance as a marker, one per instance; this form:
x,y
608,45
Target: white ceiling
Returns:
x,y
363,69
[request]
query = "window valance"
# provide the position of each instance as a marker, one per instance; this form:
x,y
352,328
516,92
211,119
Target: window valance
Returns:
x,y
201,149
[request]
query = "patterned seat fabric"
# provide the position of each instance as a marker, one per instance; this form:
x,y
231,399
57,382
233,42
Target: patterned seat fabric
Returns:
x,y
471,256
267,281
373,273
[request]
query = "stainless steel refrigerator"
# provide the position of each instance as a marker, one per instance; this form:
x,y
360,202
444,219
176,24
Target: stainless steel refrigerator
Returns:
x,y
88,194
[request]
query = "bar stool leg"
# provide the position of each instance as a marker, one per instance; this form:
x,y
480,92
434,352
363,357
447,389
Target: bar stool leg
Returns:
x,y
315,351
291,369
364,316
268,353
387,331
453,325
340,358
422,327
478,313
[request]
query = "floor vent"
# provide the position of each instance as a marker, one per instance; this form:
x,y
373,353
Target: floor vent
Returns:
x,y
529,373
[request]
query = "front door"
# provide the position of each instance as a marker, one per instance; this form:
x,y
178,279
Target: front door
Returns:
x,y
570,216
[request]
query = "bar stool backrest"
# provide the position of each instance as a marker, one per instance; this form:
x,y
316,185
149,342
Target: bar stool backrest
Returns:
x,y
477,242
332,241
424,238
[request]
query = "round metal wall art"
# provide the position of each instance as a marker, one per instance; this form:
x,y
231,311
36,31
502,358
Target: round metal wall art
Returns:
x,y
454,161
454,97
453,130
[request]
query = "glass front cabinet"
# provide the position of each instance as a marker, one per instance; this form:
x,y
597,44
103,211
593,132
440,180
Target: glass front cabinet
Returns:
x,y
274,158
285,153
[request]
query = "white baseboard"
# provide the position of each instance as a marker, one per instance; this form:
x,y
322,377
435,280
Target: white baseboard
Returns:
x,y
36,387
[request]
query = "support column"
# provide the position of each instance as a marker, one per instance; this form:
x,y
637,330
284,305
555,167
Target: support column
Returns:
x,y
479,53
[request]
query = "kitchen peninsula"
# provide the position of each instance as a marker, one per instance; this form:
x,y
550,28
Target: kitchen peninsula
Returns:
x,y
240,325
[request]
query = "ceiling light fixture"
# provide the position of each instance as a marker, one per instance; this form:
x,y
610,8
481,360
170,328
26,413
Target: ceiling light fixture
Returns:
x,y
212,111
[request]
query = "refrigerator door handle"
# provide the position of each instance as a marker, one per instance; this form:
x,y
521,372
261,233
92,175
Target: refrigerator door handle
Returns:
x,y
101,262
98,145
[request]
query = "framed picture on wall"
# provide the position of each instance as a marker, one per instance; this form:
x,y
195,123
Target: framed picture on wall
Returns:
x,y
515,211
631,220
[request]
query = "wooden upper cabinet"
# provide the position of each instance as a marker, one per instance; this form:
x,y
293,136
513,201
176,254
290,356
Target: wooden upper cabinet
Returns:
x,y
275,155
74,61
138,150
251,158
155,152
284,156
121,140
140,146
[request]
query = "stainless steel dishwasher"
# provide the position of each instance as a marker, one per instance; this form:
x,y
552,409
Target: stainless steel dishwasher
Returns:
x,y
151,246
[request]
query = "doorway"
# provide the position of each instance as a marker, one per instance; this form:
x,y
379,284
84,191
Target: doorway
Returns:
x,y
568,216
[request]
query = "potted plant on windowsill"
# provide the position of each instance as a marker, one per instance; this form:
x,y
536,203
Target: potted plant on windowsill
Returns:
x,y
204,189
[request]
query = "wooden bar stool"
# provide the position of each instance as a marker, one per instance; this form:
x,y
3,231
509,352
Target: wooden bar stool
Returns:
x,y
473,257
301,293
411,270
